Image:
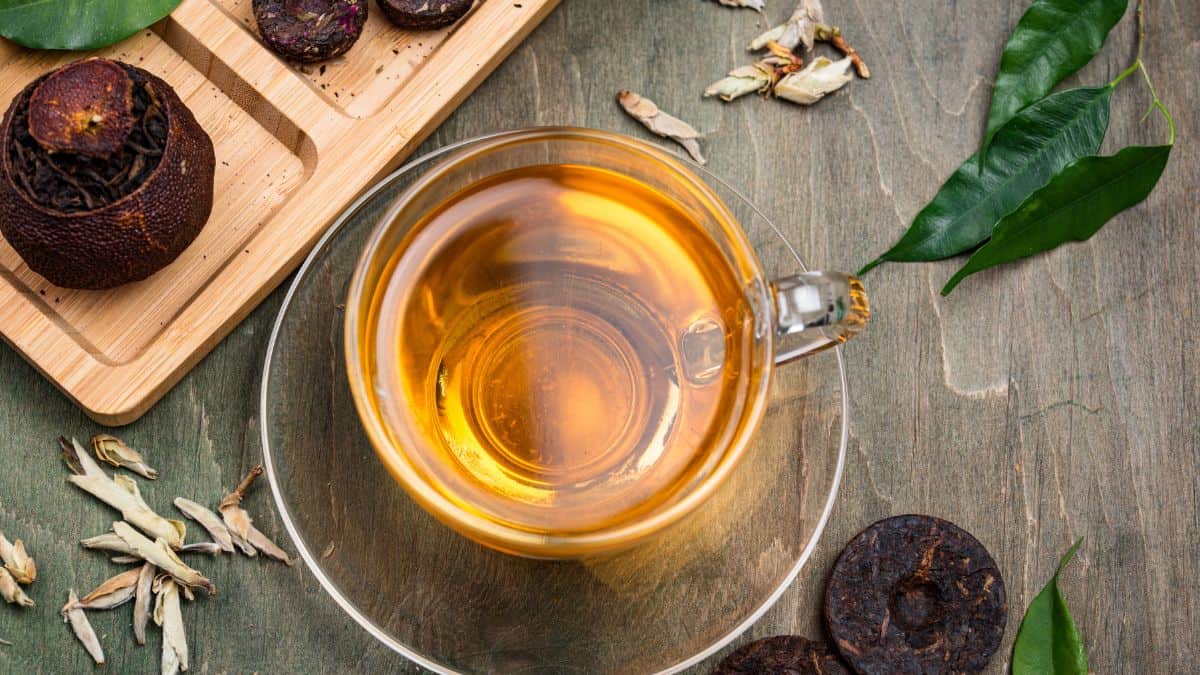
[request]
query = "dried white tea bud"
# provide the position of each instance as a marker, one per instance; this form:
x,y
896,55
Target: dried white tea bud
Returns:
x,y
833,35
241,526
756,5
209,547
142,593
18,563
162,556
112,593
110,542
11,592
168,615
114,451
119,492
208,520
741,81
82,629
645,111
759,77
819,78
800,28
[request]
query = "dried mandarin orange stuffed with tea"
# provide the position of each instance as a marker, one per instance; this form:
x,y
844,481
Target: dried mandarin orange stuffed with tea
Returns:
x,y
105,175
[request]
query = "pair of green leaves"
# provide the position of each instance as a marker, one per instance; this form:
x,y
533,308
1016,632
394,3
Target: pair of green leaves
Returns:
x,y
78,24
1048,642
1036,182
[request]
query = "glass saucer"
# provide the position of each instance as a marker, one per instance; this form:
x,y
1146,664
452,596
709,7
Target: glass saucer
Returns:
x,y
454,606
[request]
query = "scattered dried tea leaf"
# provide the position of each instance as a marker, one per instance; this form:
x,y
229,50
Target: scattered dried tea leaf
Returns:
x,y
208,520
756,5
241,526
142,593
758,77
819,78
121,493
645,111
83,629
114,451
268,547
112,593
800,28
782,59
109,542
208,547
18,563
6,643
168,615
125,559
833,35
159,553
240,542
11,592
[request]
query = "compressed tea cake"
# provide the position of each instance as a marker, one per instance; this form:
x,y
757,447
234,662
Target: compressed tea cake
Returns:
x,y
916,594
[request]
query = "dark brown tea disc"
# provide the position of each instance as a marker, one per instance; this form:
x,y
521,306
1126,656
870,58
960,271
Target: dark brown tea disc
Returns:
x,y
424,14
916,594
782,655
310,30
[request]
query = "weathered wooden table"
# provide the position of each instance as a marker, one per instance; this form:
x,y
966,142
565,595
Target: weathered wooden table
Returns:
x,y
1051,399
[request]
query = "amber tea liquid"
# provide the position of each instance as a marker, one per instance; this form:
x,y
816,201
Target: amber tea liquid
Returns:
x,y
571,345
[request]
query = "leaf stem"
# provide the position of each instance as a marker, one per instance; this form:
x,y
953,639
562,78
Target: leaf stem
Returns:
x,y
1141,27
1157,103
1126,73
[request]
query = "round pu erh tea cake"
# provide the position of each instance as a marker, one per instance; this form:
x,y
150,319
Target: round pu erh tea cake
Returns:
x,y
424,14
782,655
916,594
105,175
308,31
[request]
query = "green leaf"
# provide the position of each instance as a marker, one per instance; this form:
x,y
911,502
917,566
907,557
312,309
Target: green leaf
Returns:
x,y
1053,39
1071,207
1048,642
78,24
1029,150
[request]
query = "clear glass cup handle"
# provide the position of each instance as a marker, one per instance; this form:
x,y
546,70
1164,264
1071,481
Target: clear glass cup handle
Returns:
x,y
815,311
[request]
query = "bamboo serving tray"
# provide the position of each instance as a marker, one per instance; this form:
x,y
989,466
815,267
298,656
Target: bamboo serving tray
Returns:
x,y
294,146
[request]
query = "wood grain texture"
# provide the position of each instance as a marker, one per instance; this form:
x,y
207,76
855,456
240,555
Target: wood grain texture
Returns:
x,y
1042,401
291,153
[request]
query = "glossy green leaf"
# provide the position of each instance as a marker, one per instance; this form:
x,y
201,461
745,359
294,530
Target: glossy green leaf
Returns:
x,y
78,24
1053,39
1048,642
1073,206
1030,149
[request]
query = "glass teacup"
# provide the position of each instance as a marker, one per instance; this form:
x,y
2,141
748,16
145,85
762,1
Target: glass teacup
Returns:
x,y
560,341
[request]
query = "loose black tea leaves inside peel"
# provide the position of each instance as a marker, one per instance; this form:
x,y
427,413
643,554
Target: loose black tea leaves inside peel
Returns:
x,y
68,182
916,594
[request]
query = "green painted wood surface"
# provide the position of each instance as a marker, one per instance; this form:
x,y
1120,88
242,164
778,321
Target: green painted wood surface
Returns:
x,y
1046,400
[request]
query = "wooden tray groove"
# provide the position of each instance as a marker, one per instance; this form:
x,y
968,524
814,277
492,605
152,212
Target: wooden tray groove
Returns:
x,y
294,147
